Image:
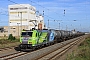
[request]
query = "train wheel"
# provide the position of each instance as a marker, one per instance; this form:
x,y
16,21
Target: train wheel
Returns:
x,y
33,48
36,47
17,48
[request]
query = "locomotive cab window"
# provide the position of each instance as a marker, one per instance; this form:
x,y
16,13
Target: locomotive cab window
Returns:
x,y
30,33
26,34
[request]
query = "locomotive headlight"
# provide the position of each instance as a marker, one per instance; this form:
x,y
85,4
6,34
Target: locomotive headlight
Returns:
x,y
30,42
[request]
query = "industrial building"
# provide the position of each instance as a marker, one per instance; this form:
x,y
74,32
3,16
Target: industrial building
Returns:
x,y
23,16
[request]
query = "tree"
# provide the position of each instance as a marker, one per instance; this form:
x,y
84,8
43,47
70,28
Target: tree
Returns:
x,y
11,37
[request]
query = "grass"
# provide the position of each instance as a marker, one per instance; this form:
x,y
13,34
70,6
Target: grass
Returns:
x,y
4,42
82,53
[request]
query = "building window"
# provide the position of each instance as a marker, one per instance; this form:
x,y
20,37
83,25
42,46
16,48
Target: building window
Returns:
x,y
13,28
31,8
18,8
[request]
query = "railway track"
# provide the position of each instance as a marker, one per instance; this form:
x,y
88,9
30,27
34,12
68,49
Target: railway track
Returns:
x,y
51,51
12,55
6,48
47,53
59,52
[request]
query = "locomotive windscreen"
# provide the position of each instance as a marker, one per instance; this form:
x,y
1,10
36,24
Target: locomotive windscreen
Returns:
x,y
26,34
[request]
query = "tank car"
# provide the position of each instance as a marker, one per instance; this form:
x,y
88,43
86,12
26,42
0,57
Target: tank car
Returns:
x,y
60,35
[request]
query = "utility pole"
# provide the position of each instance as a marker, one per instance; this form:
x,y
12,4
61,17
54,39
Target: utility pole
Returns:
x,y
8,24
20,18
48,24
18,28
59,26
43,13
66,27
64,12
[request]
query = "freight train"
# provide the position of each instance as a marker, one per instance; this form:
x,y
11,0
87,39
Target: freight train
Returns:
x,y
34,39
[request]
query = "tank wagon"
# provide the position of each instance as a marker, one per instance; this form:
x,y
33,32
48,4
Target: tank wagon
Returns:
x,y
31,40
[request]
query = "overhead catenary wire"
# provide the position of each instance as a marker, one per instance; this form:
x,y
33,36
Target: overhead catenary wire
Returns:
x,y
18,16
44,7
38,5
6,13
51,18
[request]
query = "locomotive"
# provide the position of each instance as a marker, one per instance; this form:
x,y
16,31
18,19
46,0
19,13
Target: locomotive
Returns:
x,y
33,39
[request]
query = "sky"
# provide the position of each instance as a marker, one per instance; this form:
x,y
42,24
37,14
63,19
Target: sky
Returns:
x,y
76,15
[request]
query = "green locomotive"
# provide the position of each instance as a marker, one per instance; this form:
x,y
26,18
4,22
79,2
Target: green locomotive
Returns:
x,y
33,39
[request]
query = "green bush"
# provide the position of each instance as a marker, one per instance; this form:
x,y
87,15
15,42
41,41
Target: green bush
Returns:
x,y
14,38
11,37
83,51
